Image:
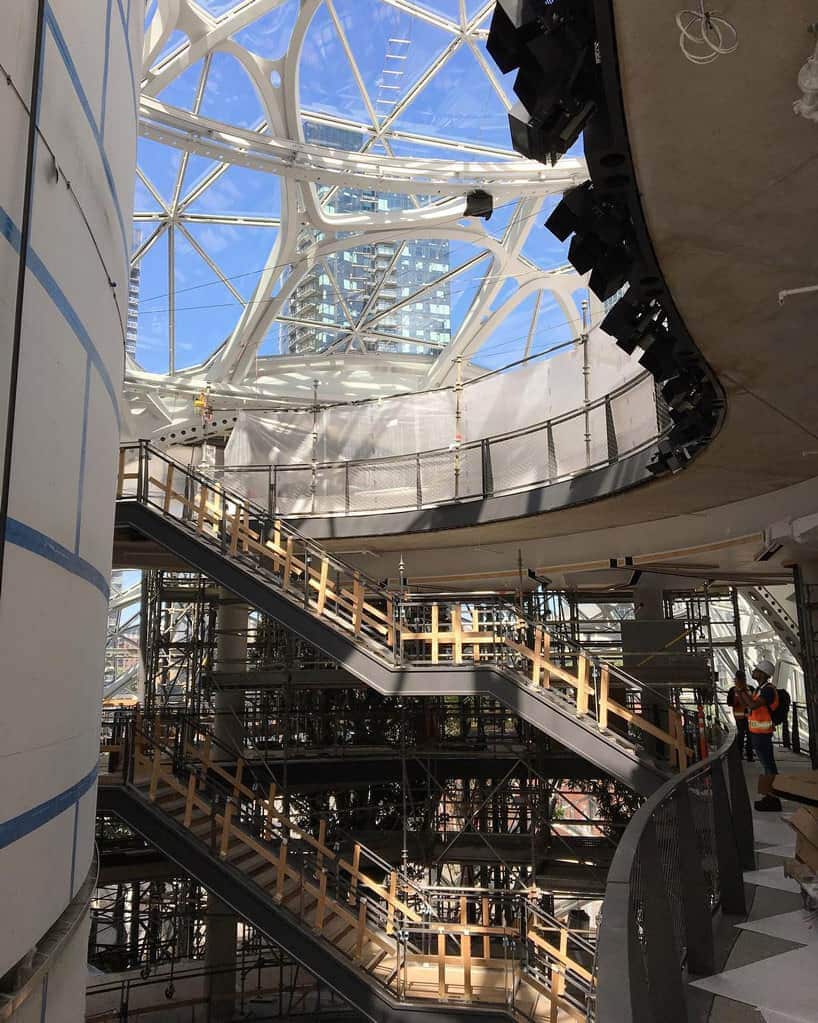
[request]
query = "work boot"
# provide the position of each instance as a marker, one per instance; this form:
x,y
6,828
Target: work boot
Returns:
x,y
768,803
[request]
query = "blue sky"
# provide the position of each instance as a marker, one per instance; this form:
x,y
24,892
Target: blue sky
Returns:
x,y
457,105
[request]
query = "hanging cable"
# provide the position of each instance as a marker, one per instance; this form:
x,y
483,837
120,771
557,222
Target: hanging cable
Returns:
x,y
705,35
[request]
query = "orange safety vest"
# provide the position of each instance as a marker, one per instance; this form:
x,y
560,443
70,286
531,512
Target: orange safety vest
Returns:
x,y
760,720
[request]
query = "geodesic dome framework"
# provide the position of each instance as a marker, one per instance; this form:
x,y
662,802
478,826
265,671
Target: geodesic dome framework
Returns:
x,y
300,201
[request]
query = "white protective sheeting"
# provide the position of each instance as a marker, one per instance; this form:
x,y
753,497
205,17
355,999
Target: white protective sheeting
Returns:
x,y
379,440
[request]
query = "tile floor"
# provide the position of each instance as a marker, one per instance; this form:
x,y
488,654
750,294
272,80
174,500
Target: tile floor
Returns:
x,y
770,972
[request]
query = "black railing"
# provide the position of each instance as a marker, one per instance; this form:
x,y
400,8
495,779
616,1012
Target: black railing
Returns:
x,y
679,860
535,456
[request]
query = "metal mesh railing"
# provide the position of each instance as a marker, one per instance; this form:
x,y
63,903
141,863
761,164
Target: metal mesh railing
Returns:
x,y
680,858
622,423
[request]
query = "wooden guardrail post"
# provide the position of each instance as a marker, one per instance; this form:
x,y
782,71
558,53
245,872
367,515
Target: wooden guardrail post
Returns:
x,y
393,892
320,909
457,634
485,918
322,586
322,838
441,965
357,604
604,691
435,631
465,949
583,688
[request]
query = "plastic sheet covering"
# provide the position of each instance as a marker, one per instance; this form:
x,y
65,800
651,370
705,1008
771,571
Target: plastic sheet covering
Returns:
x,y
400,453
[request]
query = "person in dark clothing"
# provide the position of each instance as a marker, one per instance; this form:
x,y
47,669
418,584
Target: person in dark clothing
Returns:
x,y
760,709
740,713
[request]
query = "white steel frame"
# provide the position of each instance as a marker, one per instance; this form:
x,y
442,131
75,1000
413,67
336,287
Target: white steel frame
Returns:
x,y
276,146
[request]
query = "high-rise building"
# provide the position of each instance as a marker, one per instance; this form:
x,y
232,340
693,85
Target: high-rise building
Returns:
x,y
355,290
132,323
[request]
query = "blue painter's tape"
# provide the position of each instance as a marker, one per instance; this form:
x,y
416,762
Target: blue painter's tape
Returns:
x,y
32,540
74,850
70,67
126,21
10,231
83,445
105,67
23,824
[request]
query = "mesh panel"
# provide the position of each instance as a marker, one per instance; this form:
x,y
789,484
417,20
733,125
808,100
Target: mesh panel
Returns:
x,y
569,446
380,485
330,489
701,803
634,416
293,491
519,461
437,475
666,825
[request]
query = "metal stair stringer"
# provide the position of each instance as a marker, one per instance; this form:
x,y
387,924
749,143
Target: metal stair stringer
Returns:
x,y
250,903
543,709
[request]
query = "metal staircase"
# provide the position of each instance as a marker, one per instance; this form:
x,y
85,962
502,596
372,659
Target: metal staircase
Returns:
x,y
386,945
398,645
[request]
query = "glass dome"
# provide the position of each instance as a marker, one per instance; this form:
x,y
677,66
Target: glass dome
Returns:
x,y
300,207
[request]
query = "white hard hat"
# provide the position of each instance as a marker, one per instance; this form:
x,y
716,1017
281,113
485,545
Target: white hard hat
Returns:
x,y
767,667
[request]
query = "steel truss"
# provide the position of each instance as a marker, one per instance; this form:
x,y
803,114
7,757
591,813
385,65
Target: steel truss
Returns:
x,y
307,230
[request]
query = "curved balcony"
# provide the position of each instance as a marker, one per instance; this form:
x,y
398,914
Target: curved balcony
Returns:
x,y
483,478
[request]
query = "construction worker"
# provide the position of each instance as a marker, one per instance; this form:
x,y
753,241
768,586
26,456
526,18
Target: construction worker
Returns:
x,y
760,706
740,712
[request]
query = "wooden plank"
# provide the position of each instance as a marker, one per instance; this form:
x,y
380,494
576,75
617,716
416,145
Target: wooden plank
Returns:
x,y
457,633
379,889
391,901
288,563
234,531
583,688
604,695
484,917
322,586
545,656
640,722
168,488
358,604
536,661
434,634
560,956
441,966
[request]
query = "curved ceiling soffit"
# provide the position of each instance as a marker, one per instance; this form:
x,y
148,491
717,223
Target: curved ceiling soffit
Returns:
x,y
232,360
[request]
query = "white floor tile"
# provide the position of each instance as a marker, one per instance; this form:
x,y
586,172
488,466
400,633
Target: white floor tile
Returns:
x,y
800,926
771,1016
787,851
772,877
786,984
771,829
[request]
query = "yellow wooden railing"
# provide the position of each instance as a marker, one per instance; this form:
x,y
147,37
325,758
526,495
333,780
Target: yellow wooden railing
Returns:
x,y
359,607
419,942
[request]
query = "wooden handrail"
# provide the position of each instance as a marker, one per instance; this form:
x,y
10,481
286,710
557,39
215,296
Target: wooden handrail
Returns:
x,y
338,594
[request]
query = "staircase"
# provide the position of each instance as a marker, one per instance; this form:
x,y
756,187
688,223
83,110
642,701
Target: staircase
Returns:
x,y
383,943
398,645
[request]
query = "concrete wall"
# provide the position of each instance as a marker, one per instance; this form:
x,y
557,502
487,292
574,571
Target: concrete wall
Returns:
x,y
59,427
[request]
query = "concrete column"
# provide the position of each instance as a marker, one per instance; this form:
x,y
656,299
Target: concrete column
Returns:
x,y
806,596
228,706
231,656
220,960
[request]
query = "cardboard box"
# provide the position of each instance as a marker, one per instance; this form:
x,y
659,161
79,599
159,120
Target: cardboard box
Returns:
x,y
806,852
801,787
799,871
